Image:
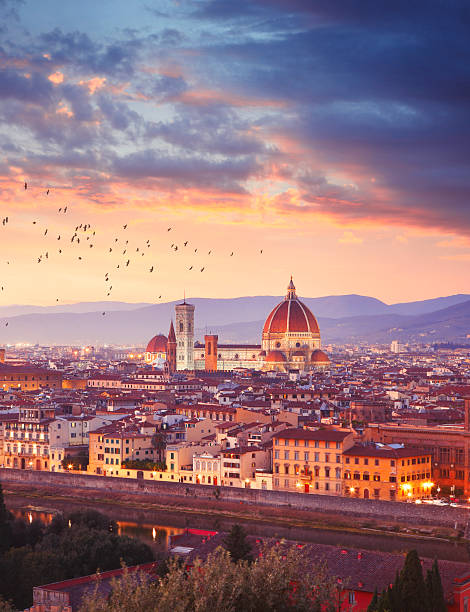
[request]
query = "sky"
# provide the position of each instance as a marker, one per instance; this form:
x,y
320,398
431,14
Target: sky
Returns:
x,y
327,140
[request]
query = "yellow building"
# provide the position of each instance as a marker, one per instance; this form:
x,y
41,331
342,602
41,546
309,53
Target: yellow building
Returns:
x,y
29,378
380,471
113,444
310,461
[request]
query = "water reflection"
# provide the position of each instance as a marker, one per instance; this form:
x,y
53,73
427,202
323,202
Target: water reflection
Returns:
x,y
156,535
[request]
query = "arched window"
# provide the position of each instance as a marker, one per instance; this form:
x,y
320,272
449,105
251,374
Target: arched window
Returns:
x,y
297,344
181,326
338,473
366,476
317,471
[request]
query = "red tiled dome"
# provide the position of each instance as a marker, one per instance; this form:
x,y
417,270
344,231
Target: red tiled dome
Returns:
x,y
291,316
319,356
275,357
157,344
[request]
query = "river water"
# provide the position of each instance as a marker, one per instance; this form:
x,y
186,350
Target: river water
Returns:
x,y
156,527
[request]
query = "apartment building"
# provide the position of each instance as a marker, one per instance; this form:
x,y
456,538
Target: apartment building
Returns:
x,y
377,471
310,461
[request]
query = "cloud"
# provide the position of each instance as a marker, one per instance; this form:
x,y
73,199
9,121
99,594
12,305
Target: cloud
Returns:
x,y
148,165
349,237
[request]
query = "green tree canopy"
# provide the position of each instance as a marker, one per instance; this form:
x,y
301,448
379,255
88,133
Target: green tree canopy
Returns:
x,y
237,545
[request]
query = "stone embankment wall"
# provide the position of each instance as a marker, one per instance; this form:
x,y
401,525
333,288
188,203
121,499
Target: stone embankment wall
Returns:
x,y
384,510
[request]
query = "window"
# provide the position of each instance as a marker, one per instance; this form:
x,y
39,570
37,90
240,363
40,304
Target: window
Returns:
x,y
366,461
317,456
306,455
376,462
327,457
327,472
296,456
347,460
276,454
286,455
296,443
356,460
327,445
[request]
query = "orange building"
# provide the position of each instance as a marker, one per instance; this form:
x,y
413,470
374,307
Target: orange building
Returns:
x,y
448,445
29,378
310,461
384,472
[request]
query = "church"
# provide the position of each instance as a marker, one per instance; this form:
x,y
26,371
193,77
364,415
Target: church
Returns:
x,y
290,339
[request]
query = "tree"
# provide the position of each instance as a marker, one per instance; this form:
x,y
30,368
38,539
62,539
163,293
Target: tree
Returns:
x,y
5,606
5,528
435,591
411,584
282,578
237,545
159,443
372,607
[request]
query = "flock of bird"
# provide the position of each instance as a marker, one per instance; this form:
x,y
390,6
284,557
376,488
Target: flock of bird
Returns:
x,y
85,234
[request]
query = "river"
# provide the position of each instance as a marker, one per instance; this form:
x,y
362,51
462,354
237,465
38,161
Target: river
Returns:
x,y
156,527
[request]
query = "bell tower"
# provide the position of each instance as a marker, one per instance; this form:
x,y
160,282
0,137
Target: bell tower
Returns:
x,y
184,316
171,350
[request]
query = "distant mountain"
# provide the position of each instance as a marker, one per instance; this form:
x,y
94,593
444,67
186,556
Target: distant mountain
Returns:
x,y
18,309
349,318
425,306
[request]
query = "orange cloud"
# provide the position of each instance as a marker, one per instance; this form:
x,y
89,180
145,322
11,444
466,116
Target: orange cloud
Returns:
x,y
205,97
56,78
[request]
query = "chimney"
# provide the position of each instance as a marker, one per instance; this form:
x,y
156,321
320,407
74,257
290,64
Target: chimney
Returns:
x,y
467,414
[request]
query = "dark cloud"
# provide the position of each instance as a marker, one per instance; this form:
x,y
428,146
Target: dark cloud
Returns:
x,y
214,130
35,88
194,171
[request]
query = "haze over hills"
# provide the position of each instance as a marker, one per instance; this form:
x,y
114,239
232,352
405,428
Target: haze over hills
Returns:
x,y
348,318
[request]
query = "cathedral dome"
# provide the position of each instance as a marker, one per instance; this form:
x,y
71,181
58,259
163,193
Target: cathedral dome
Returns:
x,y
157,344
291,316
275,357
320,357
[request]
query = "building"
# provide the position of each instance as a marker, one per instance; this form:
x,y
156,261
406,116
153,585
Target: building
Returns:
x,y
448,445
29,378
184,314
156,351
114,444
26,441
290,341
310,461
386,472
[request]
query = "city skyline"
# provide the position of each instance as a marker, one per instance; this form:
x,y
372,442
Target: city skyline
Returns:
x,y
330,140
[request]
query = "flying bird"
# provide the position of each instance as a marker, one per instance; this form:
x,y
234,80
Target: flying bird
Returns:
x,y
47,192
26,185
151,269
191,268
45,232
202,269
168,229
231,254
124,226
186,242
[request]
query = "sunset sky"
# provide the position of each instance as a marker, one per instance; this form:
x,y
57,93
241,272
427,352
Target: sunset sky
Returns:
x,y
333,136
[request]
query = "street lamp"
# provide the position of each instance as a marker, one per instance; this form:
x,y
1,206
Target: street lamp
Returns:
x,y
438,490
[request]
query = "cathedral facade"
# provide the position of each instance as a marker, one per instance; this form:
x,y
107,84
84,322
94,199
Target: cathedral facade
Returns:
x,y
290,339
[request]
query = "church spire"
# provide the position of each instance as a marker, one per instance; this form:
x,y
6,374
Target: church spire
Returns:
x,y
291,295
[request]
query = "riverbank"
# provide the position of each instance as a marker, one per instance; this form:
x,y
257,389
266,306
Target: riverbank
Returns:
x,y
137,509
